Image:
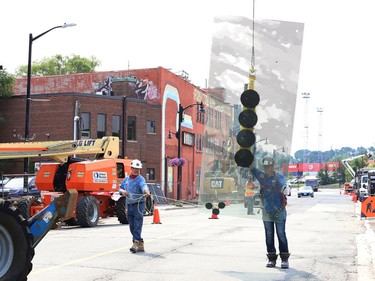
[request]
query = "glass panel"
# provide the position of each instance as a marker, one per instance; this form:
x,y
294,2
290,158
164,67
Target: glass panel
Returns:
x,y
101,125
116,125
277,47
132,128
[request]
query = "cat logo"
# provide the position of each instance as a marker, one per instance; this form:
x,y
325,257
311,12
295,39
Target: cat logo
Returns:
x,y
217,183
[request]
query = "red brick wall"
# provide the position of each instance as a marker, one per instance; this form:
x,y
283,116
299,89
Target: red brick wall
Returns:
x,y
56,116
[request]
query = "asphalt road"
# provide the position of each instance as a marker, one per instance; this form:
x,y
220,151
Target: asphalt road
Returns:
x,y
327,240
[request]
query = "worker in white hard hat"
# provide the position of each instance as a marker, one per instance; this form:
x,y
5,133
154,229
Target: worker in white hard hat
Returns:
x,y
273,190
135,189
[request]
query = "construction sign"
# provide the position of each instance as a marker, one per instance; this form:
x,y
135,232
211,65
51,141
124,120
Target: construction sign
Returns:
x,y
368,207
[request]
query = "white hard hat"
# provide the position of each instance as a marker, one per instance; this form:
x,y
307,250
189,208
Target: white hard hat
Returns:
x,y
267,161
136,164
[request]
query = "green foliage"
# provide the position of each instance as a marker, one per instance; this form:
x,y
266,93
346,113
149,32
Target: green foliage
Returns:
x,y
323,176
59,65
336,155
326,177
7,82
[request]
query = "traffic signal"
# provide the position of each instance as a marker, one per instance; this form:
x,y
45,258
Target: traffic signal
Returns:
x,y
247,119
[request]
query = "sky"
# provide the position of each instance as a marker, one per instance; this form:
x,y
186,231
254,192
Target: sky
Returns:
x,y
336,63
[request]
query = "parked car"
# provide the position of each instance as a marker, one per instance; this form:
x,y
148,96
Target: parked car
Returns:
x,y
14,188
3,192
297,182
305,191
3,181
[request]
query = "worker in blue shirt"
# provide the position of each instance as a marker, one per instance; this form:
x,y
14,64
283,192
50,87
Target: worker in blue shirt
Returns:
x,y
135,189
273,190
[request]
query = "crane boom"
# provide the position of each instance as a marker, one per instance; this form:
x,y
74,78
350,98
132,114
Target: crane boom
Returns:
x,y
348,168
346,164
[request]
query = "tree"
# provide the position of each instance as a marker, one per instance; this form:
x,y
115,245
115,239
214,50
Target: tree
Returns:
x,y
7,82
324,176
58,65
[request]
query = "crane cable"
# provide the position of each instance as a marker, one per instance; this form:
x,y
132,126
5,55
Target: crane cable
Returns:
x,y
252,69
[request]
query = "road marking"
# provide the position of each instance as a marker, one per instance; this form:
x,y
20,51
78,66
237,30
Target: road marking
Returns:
x,y
50,268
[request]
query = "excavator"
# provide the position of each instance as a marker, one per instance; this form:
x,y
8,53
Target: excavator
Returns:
x,y
77,191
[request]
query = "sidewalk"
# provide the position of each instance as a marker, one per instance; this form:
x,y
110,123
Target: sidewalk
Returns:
x,y
365,246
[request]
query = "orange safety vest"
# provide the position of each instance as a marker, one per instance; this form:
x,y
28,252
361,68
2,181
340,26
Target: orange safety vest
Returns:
x,y
249,192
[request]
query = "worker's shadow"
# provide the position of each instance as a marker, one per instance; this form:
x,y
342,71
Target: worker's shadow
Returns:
x,y
291,274
99,225
152,255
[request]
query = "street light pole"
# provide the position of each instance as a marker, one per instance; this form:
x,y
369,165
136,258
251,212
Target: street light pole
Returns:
x,y
274,152
28,87
181,110
178,136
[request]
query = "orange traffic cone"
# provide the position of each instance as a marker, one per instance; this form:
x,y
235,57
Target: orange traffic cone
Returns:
x,y
156,219
227,203
214,216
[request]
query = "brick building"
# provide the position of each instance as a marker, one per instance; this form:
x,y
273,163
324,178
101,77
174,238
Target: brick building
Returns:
x,y
140,106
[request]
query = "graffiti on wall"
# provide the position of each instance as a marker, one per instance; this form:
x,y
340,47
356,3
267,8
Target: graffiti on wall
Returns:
x,y
130,86
146,90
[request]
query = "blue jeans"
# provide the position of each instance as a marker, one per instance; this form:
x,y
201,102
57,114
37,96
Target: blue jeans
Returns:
x,y
269,227
135,219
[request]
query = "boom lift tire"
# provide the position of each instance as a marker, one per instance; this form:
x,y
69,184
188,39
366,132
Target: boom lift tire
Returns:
x,y
24,206
121,211
87,211
15,243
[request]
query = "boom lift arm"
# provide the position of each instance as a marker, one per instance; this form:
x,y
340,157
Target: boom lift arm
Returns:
x,y
107,147
346,164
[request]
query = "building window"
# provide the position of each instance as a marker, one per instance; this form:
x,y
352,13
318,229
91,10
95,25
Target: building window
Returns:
x,y
101,125
198,143
188,139
116,125
150,174
132,128
85,125
150,127
200,117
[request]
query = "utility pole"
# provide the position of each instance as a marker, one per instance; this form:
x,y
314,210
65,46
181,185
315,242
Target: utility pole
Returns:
x,y
320,134
306,96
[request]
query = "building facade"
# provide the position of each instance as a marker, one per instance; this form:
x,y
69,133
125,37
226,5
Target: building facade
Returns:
x,y
140,106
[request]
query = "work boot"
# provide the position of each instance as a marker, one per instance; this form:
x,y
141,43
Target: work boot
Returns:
x,y
141,246
135,247
284,260
272,257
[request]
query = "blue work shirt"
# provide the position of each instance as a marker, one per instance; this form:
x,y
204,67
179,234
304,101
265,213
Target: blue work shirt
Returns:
x,y
136,188
271,189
